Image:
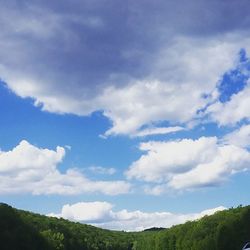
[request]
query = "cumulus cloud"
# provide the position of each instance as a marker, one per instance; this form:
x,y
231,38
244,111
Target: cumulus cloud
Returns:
x,y
229,160
29,169
86,211
188,163
163,158
148,72
26,156
144,102
102,214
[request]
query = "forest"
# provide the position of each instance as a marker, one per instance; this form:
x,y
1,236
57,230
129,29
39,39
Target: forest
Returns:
x,y
22,230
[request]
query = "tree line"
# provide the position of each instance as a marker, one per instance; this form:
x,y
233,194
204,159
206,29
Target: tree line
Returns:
x,y
22,230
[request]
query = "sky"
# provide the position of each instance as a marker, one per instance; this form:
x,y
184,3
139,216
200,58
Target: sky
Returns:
x,y
125,114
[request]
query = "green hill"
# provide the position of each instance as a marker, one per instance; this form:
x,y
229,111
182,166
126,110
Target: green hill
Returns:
x,y
21,230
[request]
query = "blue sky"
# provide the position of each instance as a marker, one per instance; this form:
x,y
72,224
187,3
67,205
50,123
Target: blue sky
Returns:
x,y
124,114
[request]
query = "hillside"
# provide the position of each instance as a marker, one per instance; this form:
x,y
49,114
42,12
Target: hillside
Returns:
x,y
22,230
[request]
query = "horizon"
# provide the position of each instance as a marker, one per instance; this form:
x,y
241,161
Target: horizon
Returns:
x,y
125,115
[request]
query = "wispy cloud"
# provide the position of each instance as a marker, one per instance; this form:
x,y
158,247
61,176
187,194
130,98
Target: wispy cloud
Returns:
x,y
157,131
102,170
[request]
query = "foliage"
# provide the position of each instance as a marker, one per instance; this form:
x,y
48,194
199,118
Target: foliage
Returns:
x,y
228,229
16,234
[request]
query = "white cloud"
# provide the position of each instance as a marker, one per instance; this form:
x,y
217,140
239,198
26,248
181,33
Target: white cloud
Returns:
x,y
26,156
175,91
29,169
101,214
165,158
86,211
144,102
233,111
239,137
157,131
138,220
228,160
187,163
